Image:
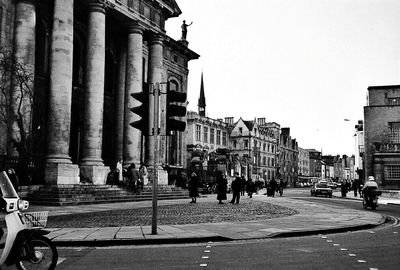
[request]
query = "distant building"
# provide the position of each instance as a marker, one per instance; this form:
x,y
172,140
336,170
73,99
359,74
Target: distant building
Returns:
x,y
304,162
315,162
253,146
288,157
382,135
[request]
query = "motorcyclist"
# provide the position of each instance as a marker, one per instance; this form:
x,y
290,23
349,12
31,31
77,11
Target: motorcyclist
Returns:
x,y
368,187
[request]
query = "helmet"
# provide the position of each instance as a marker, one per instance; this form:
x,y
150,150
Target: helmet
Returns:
x,y
371,178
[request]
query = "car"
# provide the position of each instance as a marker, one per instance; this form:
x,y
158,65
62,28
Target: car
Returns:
x,y
321,188
332,185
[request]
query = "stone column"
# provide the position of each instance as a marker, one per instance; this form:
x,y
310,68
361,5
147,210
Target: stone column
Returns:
x,y
133,83
59,168
155,76
120,105
24,53
91,163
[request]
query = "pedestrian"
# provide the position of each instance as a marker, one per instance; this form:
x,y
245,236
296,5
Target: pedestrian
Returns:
x,y
132,176
250,187
119,168
236,188
343,188
355,187
273,186
193,187
12,175
280,187
222,186
144,174
242,185
112,177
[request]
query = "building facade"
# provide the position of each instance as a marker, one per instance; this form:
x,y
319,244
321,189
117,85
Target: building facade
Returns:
x,y
382,135
87,58
288,158
304,162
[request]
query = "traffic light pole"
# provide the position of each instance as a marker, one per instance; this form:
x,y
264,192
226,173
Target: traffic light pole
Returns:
x,y
156,92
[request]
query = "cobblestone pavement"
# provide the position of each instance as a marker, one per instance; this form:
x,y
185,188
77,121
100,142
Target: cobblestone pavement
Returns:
x,y
201,212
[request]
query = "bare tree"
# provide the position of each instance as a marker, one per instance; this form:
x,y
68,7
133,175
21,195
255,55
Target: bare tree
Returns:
x,y
16,103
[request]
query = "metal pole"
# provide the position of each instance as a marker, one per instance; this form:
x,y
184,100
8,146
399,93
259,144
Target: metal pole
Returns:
x,y
155,164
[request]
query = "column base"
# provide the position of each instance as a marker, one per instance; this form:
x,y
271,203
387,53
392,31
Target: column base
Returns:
x,y
61,174
95,174
162,176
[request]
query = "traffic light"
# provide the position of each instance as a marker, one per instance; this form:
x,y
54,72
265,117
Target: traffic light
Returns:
x,y
142,110
173,110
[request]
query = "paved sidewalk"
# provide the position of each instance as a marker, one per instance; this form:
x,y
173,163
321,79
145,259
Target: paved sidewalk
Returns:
x,y
311,219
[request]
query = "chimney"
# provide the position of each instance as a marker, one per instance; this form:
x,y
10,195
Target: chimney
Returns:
x,y
229,120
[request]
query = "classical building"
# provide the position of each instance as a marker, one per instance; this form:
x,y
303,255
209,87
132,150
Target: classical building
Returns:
x,y
382,135
87,58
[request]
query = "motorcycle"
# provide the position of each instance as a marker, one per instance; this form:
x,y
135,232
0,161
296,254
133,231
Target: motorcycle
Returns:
x,y
26,245
370,198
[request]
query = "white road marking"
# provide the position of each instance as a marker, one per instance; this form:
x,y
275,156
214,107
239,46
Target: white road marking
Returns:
x,y
329,241
205,257
343,249
361,261
352,255
336,245
60,260
203,265
207,251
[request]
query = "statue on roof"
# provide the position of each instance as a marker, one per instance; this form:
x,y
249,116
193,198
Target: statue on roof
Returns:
x,y
184,29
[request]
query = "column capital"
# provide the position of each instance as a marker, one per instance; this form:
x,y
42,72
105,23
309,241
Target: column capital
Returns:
x,y
156,39
97,6
135,28
32,2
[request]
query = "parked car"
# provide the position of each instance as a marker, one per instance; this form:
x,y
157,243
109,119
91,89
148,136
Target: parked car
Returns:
x,y
321,188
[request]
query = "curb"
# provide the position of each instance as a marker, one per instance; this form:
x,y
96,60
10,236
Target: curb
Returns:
x,y
164,241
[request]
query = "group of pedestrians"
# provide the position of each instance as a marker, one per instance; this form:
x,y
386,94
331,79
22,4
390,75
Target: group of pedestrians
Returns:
x,y
129,178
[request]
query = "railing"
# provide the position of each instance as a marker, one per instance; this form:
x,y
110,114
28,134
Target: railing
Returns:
x,y
29,174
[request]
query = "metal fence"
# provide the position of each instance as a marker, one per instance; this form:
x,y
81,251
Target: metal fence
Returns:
x,y
30,174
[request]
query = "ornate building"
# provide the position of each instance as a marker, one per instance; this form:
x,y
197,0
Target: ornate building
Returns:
x,y
87,58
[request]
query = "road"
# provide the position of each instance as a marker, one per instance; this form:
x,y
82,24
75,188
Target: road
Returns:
x,y
377,248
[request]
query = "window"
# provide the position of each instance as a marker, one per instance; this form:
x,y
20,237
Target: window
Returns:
x,y
269,161
218,137
273,162
394,101
392,172
264,146
212,135
234,144
224,138
246,143
205,134
198,133
264,161
272,149
394,132
240,130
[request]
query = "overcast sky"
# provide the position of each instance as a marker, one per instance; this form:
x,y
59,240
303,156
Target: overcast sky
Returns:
x,y
305,64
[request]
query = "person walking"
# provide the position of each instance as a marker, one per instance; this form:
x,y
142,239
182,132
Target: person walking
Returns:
x,y
343,188
193,187
250,187
355,187
280,187
273,186
242,185
120,170
236,187
222,186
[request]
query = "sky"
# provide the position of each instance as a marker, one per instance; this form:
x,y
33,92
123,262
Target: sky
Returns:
x,y
305,64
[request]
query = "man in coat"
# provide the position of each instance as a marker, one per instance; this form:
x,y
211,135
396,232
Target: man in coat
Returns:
x,y
236,187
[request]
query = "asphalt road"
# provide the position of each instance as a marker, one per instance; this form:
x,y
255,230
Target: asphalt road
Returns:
x,y
378,248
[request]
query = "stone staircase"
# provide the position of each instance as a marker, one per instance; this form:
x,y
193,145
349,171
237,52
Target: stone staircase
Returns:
x,y
59,195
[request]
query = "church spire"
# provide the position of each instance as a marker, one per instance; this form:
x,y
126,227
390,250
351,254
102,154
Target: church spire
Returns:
x,y
202,99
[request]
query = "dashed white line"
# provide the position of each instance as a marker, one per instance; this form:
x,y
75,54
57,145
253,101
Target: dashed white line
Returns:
x,y
203,265
207,251
343,249
352,255
361,261
205,257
